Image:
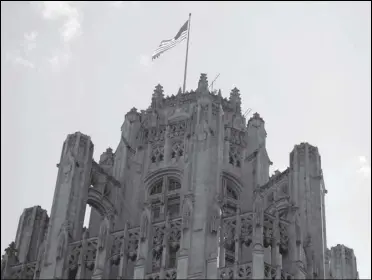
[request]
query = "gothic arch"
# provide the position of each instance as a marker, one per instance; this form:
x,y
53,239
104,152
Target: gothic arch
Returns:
x,y
231,190
280,205
233,179
102,204
158,174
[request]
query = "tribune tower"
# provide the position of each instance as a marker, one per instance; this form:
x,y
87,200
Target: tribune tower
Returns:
x,y
186,194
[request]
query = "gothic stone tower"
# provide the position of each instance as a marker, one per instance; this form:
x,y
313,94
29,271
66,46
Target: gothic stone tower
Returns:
x,y
186,194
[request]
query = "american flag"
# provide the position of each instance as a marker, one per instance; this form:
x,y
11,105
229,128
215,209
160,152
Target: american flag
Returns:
x,y
168,44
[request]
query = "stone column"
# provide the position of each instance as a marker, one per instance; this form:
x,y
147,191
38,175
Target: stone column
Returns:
x,y
276,258
103,250
183,258
167,146
81,273
237,242
122,273
165,249
143,246
182,266
70,198
343,262
221,244
258,269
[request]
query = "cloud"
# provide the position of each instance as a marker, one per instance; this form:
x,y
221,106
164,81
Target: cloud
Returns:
x,y
364,167
145,60
59,59
70,30
119,4
145,63
16,58
54,10
29,41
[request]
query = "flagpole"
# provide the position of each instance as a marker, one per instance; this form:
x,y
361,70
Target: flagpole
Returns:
x,y
187,54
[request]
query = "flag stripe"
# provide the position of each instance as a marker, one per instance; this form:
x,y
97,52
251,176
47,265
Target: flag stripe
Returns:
x,y
168,44
171,42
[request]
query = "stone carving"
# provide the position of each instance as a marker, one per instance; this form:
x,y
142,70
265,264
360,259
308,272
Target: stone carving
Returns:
x,y
133,241
214,222
227,273
284,238
154,135
157,246
245,271
174,236
186,216
11,249
229,235
67,169
157,154
73,257
144,227
175,123
103,233
246,230
178,129
61,247
268,231
171,274
91,253
203,84
107,158
177,150
157,97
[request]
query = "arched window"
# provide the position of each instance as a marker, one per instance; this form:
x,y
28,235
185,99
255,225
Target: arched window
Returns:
x,y
165,197
230,191
157,188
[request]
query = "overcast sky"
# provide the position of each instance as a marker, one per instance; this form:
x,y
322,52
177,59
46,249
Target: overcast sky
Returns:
x,y
305,67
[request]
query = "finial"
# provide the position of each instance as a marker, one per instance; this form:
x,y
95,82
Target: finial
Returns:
x,y
235,99
157,97
203,83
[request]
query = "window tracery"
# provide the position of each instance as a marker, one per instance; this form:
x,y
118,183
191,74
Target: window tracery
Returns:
x,y
177,150
232,197
157,154
168,188
234,156
157,188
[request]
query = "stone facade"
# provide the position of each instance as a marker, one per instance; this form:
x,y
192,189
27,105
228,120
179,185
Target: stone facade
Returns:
x,y
186,194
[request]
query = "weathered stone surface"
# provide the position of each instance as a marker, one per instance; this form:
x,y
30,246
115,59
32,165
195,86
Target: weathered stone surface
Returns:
x,y
186,194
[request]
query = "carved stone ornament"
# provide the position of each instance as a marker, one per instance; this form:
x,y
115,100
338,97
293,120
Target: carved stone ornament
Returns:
x,y
61,246
186,216
144,227
214,223
103,232
68,164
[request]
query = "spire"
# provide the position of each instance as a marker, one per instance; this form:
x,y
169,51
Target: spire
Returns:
x,y
235,100
157,97
178,97
203,84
